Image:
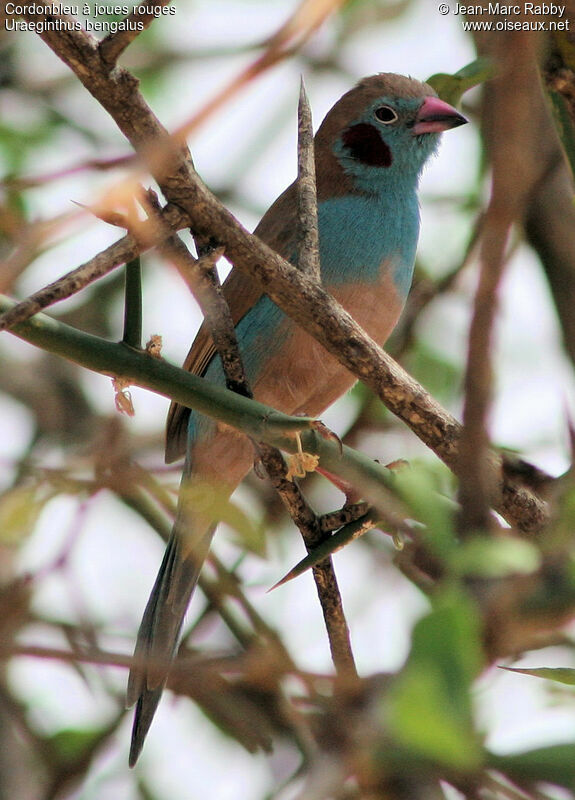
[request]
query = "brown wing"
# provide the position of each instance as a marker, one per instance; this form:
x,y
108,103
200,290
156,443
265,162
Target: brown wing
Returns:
x,y
241,292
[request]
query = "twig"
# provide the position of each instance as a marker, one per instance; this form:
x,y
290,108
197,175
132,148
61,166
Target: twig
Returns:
x,y
253,418
97,164
141,369
201,277
84,656
332,544
337,519
291,36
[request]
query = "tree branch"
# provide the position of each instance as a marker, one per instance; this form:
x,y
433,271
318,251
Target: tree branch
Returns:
x,y
323,570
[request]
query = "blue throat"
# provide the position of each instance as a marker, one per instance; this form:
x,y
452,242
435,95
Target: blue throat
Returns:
x,y
359,232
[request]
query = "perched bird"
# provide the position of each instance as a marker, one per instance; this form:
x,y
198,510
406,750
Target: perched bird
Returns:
x,y
369,153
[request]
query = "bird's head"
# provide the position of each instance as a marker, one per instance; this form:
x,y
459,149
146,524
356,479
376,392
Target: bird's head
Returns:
x,y
385,129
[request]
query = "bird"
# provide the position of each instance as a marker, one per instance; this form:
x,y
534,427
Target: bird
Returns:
x,y
370,151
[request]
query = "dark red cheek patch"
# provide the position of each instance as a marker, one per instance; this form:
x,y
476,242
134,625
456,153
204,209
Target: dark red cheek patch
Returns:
x,y
364,143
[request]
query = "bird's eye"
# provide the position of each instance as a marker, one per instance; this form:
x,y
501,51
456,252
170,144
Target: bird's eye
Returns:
x,y
385,114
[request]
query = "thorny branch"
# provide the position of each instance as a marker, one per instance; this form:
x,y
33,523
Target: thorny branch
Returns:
x,y
299,509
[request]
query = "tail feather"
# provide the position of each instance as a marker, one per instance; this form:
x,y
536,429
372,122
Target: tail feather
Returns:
x,y
159,631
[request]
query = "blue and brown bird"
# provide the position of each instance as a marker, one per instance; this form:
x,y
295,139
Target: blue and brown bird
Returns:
x,y
369,154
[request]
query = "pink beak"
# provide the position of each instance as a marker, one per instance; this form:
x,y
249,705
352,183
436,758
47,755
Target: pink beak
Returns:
x,y
435,116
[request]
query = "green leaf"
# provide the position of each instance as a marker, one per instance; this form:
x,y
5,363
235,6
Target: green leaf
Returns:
x,y
554,764
450,635
556,674
451,87
430,708
425,722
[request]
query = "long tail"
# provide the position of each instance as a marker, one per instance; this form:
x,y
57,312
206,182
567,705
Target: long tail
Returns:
x,y
160,629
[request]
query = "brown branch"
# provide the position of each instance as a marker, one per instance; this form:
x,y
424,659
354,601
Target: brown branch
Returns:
x,y
21,183
508,107
202,280
303,299
550,214
89,655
